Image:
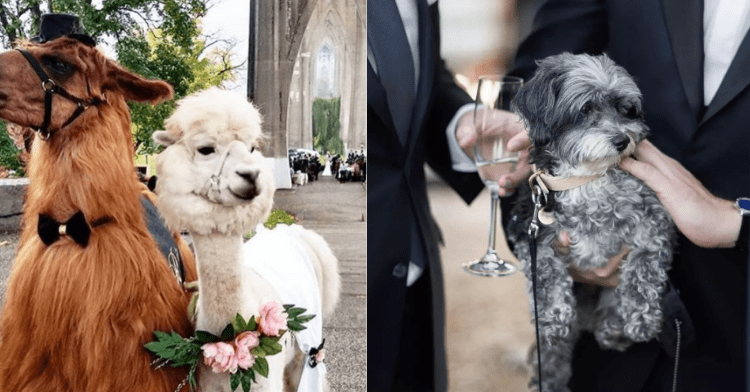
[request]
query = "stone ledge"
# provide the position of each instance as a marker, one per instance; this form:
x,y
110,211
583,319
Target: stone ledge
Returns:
x,y
12,191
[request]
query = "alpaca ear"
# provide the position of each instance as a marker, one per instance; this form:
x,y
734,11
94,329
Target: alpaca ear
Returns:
x,y
165,138
136,88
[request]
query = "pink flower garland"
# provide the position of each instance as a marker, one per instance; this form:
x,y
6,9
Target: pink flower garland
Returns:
x,y
223,357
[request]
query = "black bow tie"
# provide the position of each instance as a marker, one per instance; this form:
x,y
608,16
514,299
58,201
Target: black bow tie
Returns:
x,y
76,228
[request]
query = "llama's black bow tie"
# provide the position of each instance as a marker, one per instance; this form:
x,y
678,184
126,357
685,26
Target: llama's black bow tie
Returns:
x,y
76,228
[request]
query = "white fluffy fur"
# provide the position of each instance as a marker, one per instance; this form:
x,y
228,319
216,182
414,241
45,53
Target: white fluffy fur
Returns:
x,y
230,127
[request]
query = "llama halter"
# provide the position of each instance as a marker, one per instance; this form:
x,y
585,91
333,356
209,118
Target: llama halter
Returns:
x,y
50,87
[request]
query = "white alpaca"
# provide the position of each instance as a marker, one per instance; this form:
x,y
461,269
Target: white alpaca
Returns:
x,y
214,182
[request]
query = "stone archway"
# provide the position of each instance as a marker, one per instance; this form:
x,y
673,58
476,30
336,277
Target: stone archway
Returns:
x,y
289,36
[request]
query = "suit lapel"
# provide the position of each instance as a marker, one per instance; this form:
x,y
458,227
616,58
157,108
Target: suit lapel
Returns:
x,y
736,80
426,73
684,20
376,100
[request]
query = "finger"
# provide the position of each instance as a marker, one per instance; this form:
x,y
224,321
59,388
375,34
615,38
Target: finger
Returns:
x,y
520,173
466,136
564,239
648,153
562,243
645,171
519,142
613,265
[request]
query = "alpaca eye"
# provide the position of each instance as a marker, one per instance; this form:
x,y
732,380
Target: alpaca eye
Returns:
x,y
206,150
252,149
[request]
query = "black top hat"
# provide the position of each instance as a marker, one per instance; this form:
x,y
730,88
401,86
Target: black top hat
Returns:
x,y
56,25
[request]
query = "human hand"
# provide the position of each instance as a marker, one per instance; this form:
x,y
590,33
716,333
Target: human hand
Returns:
x,y
607,276
706,220
510,126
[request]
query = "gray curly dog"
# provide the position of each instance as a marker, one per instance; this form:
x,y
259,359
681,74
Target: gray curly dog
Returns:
x,y
584,114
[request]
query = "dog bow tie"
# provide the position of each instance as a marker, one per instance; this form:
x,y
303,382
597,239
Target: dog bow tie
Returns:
x,y
76,228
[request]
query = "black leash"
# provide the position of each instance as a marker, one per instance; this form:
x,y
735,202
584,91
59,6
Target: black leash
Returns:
x,y
540,200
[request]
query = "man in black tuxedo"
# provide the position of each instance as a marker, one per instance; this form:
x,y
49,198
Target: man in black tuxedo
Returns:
x,y
412,101
698,114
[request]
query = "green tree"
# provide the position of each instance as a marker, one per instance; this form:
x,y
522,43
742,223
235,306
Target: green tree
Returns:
x,y
9,154
326,125
159,39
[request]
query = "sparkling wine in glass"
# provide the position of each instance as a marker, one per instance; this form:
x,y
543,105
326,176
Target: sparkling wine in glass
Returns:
x,y
493,161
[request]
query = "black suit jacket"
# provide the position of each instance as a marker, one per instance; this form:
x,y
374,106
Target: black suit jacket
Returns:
x,y
660,42
397,194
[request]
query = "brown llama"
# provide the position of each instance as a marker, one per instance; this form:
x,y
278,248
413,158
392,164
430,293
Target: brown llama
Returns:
x,y
77,313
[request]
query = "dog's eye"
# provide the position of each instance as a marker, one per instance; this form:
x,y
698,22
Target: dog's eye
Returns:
x,y
632,113
628,111
207,150
587,108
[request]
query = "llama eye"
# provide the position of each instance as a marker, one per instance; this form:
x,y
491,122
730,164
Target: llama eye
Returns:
x,y
57,66
208,150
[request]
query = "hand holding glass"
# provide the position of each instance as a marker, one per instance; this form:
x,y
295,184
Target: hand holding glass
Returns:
x,y
493,161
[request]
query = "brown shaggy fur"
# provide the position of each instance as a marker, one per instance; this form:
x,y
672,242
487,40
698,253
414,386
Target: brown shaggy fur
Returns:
x,y
76,319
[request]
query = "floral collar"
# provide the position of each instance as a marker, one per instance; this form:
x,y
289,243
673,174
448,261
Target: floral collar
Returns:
x,y
241,348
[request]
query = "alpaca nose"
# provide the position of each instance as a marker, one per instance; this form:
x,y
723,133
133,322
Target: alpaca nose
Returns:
x,y
621,142
249,175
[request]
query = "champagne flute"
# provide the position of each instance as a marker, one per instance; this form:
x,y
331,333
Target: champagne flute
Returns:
x,y
493,161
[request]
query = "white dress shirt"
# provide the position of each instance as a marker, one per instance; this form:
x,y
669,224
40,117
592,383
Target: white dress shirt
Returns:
x,y
725,24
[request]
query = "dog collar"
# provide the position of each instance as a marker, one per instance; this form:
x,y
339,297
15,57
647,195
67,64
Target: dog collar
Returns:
x,y
542,183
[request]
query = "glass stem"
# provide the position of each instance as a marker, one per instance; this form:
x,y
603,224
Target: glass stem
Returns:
x,y
493,221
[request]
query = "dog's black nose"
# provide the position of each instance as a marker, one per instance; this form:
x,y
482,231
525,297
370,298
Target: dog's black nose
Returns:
x,y
621,142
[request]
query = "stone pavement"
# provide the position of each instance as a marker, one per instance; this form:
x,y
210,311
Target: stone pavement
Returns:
x,y
337,212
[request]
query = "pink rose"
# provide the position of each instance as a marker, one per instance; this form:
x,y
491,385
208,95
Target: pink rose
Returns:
x,y
245,359
248,339
320,356
220,357
271,318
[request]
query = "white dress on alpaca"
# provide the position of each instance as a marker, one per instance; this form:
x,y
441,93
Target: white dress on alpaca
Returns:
x,y
279,257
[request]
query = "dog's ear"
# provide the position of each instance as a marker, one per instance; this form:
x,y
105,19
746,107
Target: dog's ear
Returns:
x,y
535,102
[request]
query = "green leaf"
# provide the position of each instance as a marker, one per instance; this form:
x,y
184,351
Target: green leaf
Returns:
x,y
240,325
295,326
206,337
234,380
261,366
270,346
252,325
162,336
294,312
258,352
248,376
228,333
306,318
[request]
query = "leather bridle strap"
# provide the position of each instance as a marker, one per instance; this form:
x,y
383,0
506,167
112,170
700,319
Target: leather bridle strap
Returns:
x,y
50,87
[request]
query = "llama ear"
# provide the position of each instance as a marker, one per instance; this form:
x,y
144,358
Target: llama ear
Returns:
x,y
165,138
136,88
